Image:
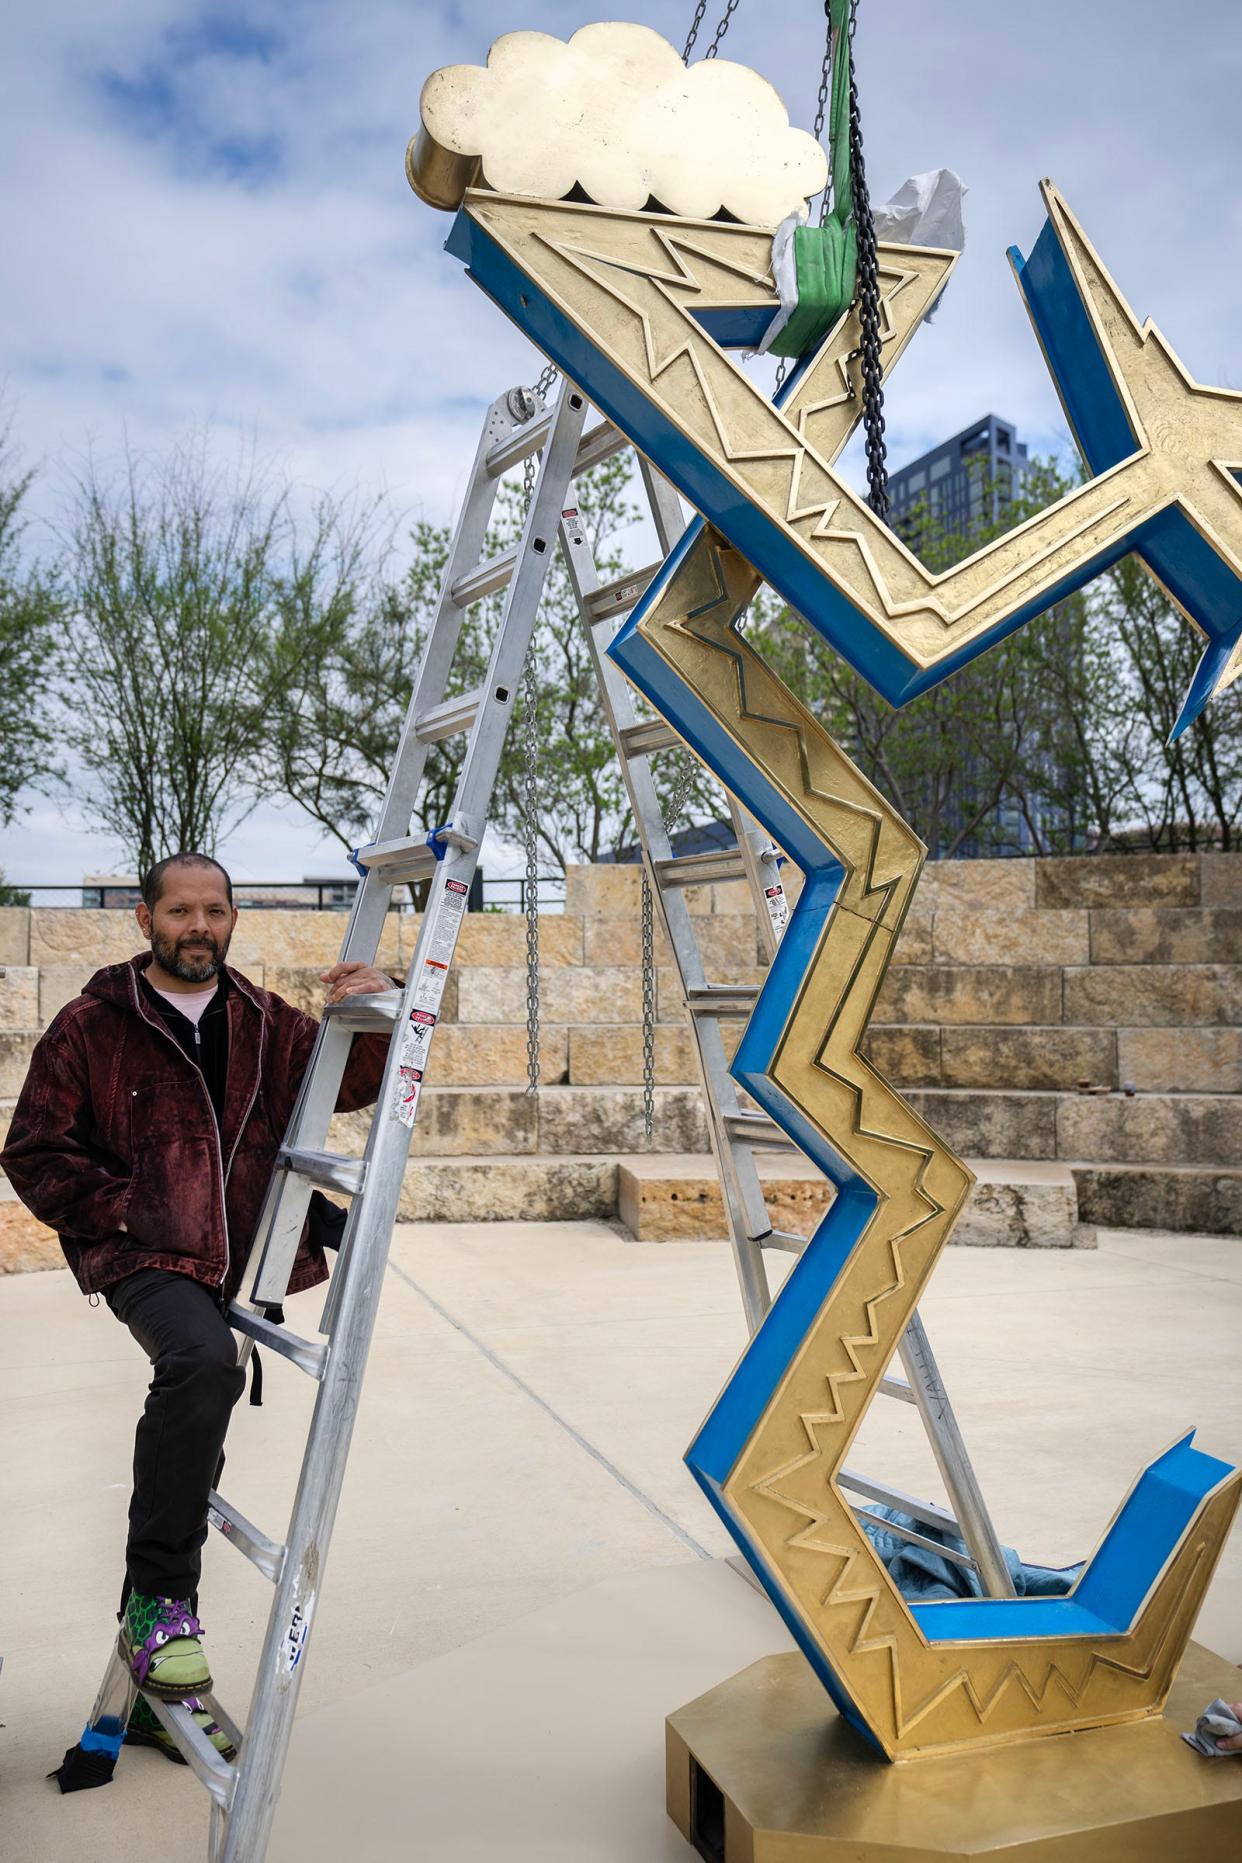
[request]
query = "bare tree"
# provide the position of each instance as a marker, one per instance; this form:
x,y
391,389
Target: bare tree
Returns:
x,y
194,597
340,715
29,603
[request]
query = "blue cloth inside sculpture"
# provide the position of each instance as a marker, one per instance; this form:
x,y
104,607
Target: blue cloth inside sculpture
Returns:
x,y
922,1574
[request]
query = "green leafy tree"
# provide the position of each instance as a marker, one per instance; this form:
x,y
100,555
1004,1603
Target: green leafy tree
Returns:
x,y
1057,739
988,748
194,592
339,720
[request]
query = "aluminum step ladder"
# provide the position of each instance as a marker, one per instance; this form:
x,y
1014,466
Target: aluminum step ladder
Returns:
x,y
244,1792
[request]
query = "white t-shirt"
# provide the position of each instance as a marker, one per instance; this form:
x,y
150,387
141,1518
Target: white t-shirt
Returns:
x,y
191,1003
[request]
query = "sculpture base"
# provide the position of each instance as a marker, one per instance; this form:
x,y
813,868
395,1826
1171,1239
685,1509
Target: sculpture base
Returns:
x,y
763,1770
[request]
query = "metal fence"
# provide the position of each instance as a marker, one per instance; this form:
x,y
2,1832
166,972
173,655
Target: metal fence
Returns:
x,y
488,895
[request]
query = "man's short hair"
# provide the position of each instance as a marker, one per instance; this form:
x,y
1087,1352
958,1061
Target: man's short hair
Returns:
x,y
153,879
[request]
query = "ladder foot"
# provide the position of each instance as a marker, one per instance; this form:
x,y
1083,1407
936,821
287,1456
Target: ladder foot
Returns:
x,y
93,1760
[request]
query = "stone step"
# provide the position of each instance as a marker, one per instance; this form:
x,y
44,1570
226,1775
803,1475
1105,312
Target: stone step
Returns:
x,y
1015,1203
1055,1058
1149,1128
488,1189
506,1121
1191,1199
983,1123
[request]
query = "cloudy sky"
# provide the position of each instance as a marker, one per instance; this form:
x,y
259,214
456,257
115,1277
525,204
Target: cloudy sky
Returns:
x,y
207,221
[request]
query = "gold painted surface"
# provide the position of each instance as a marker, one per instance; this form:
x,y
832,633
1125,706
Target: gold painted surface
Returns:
x,y
632,282
799,1784
916,1696
439,176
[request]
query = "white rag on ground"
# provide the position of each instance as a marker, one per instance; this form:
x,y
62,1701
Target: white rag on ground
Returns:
x,y
1217,1722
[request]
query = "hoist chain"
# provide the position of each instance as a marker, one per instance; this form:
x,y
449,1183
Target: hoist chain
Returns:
x,y
676,803
868,304
821,111
530,789
714,48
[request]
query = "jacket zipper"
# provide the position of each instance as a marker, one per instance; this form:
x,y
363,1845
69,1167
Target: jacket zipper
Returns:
x,y
222,1170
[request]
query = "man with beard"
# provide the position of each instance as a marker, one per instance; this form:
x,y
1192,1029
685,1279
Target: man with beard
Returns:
x,y
145,1135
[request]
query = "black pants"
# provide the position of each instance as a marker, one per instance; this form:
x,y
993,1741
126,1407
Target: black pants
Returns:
x,y
179,1444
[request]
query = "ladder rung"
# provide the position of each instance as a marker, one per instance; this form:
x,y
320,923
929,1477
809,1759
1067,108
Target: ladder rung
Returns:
x,y
487,577
596,445
719,863
757,1130
897,1387
447,719
407,859
211,1768
327,1169
924,1511
915,1539
781,1239
722,999
519,445
616,597
365,1013
307,1355
640,740
268,1555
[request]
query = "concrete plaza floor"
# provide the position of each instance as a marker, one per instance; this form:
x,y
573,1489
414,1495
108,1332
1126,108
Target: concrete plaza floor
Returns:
x,y
530,1392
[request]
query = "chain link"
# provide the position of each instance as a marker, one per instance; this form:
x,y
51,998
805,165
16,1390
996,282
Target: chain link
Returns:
x,y
649,1017
821,114
868,305
676,803
530,790
530,838
693,33
714,48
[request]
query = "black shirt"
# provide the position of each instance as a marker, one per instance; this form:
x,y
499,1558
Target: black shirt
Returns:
x,y
205,1042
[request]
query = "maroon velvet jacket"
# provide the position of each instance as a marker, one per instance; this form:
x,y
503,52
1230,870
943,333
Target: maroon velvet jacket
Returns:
x,y
114,1126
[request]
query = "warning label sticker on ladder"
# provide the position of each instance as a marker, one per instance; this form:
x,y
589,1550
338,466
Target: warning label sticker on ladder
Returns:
x,y
448,921
405,1100
778,907
425,1007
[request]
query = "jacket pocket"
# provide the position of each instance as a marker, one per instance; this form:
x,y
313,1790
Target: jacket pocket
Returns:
x,y
173,1200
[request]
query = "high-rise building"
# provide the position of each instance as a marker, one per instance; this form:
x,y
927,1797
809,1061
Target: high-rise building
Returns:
x,y
960,488
964,482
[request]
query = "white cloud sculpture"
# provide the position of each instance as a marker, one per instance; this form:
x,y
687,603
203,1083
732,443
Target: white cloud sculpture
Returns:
x,y
616,113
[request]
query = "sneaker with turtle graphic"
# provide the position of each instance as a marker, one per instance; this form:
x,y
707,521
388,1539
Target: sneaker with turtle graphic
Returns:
x,y
145,1729
160,1642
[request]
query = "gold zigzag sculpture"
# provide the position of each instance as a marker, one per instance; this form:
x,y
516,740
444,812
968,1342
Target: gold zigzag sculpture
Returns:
x,y
624,302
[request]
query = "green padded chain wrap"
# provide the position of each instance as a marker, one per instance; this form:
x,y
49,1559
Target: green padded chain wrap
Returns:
x,y
826,257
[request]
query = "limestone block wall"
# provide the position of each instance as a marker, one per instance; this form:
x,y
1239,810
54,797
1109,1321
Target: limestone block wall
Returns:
x,y
1013,981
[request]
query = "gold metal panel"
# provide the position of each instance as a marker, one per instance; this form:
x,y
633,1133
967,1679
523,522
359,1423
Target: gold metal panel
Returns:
x,y
633,281
800,1787
918,1696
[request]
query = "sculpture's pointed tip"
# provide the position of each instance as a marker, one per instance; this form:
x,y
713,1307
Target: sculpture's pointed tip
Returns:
x,y
1219,666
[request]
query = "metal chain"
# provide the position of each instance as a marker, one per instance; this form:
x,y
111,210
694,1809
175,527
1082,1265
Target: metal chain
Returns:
x,y
722,28
714,48
676,803
530,793
821,112
649,1012
868,305
693,34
